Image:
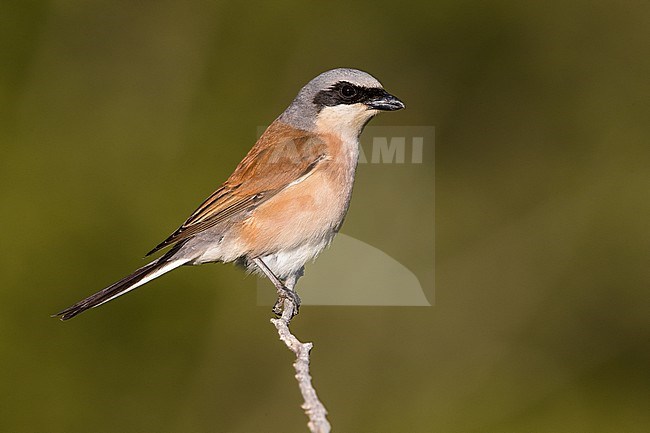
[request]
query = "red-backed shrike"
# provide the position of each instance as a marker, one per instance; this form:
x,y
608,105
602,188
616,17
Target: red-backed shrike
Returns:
x,y
285,200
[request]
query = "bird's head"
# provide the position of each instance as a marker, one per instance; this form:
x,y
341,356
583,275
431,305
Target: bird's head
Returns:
x,y
339,101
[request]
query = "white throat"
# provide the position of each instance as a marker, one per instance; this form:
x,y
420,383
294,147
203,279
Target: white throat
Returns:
x,y
345,121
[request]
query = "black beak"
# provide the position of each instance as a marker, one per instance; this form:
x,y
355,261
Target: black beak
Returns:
x,y
385,102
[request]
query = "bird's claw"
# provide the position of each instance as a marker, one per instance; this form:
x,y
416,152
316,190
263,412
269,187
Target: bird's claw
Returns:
x,y
283,295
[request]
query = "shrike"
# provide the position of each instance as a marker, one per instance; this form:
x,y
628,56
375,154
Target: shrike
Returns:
x,y
286,199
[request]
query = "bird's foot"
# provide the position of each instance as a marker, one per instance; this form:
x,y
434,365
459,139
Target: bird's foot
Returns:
x,y
283,295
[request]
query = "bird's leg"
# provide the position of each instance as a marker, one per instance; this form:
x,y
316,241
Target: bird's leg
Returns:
x,y
284,291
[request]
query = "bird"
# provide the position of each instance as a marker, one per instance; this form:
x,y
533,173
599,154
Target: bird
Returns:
x,y
286,199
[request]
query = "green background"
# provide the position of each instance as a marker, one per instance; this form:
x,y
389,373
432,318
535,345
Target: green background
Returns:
x,y
118,117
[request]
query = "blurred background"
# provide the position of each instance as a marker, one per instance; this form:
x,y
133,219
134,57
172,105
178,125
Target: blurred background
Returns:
x,y
118,118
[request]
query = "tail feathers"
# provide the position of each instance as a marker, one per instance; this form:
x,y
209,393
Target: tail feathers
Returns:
x,y
126,284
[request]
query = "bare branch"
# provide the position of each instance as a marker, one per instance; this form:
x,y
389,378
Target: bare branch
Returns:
x,y
312,406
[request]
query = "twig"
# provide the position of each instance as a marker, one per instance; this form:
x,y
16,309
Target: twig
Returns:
x,y
312,406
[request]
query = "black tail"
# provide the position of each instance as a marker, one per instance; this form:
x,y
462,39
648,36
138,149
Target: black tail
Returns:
x,y
126,284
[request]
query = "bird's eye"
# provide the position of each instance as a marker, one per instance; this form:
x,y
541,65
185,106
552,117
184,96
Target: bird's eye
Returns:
x,y
348,91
